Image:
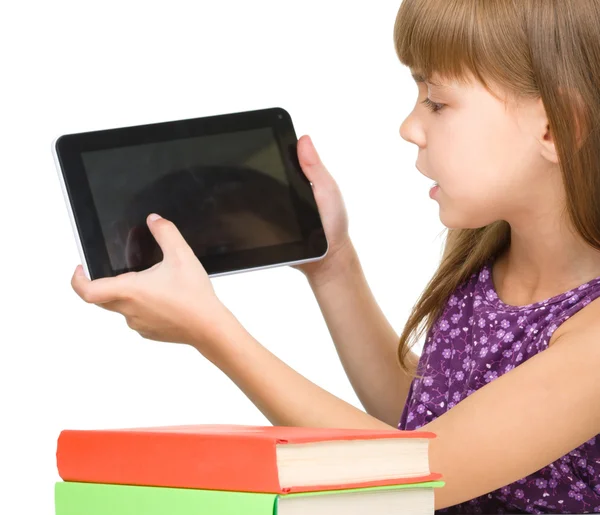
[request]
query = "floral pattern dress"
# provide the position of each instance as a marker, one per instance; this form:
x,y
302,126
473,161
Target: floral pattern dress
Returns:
x,y
478,338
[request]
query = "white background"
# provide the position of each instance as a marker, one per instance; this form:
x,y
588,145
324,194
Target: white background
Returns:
x,y
79,66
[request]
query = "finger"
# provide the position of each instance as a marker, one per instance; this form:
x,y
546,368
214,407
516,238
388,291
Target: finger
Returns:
x,y
311,163
168,237
98,291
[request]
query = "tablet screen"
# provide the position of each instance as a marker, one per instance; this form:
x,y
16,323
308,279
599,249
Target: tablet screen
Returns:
x,y
225,192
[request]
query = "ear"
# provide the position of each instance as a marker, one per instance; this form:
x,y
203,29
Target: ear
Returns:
x,y
545,135
548,147
547,140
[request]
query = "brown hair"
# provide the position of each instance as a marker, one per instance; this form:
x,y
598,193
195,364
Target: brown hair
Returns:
x,y
527,49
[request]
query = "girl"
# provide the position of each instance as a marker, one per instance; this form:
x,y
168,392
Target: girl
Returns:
x,y
506,122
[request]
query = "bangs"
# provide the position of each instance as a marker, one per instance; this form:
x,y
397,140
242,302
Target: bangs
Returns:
x,y
456,40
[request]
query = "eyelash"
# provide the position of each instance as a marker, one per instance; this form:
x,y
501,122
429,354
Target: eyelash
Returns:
x,y
432,106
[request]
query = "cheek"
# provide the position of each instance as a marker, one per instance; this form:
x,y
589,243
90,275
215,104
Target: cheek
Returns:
x,y
475,161
484,161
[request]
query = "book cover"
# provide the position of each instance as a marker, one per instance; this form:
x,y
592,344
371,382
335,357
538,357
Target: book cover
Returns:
x,y
74,498
212,457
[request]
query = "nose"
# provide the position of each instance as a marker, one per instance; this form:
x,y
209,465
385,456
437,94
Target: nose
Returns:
x,y
411,130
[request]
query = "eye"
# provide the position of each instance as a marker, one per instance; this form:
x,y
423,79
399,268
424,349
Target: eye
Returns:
x,y
432,106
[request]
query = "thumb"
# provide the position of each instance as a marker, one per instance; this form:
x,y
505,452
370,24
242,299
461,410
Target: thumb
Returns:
x,y
168,237
311,163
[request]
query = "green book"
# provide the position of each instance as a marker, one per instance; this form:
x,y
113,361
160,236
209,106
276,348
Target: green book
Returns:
x,y
74,498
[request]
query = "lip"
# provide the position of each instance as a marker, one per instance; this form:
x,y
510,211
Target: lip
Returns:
x,y
434,190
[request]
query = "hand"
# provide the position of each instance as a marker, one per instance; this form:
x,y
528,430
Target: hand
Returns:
x,y
331,208
173,301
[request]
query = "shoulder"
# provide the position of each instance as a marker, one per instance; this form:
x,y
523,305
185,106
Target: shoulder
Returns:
x,y
585,321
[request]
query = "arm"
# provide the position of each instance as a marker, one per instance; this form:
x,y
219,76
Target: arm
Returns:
x,y
283,395
522,421
506,430
364,339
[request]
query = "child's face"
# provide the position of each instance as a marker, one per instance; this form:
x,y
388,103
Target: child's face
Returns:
x,y
485,156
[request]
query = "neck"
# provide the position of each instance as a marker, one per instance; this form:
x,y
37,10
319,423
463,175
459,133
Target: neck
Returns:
x,y
543,260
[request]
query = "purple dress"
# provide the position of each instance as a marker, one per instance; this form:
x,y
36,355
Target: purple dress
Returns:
x,y
476,340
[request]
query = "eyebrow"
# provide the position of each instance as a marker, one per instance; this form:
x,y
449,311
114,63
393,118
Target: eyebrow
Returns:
x,y
420,78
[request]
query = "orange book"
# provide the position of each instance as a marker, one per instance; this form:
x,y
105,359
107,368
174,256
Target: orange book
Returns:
x,y
270,459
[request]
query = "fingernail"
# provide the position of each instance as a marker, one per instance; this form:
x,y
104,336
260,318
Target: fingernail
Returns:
x,y
153,217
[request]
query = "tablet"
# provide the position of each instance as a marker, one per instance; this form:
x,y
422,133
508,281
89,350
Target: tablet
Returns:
x,y
231,183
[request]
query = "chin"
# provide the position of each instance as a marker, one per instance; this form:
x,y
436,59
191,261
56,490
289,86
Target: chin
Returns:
x,y
462,220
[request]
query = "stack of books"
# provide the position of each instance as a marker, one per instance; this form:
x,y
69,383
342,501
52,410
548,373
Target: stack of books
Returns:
x,y
237,469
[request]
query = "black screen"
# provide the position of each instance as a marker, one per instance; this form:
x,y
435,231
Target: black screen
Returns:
x,y
225,192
